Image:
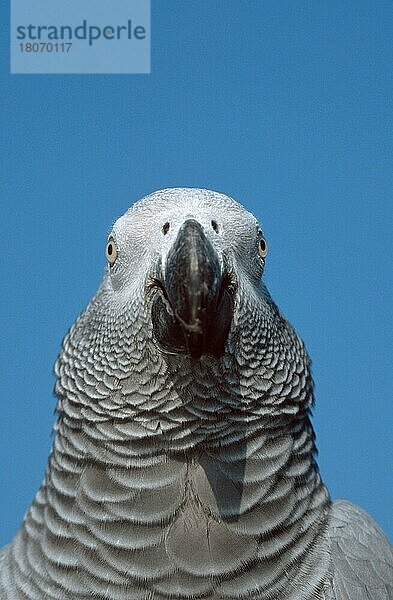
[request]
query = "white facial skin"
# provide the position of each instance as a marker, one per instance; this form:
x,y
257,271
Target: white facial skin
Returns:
x,y
142,239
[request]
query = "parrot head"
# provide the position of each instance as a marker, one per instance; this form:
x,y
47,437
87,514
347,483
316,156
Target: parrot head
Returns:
x,y
187,252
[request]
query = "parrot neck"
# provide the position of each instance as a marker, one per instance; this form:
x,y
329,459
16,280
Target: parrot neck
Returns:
x,y
191,477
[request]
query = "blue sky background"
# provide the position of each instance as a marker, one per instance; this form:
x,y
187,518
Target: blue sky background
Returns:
x,y
287,106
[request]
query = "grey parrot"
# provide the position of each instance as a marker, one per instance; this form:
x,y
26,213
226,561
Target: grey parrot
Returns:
x,y
183,462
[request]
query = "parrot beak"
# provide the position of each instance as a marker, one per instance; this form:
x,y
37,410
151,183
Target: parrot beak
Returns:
x,y
194,313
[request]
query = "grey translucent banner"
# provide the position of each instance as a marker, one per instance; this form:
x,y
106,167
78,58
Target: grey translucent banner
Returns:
x,y
74,36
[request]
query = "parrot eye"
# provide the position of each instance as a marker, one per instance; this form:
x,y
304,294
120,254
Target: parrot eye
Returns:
x,y
262,248
111,251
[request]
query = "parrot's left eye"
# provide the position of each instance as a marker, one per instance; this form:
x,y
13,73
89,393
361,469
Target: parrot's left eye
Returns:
x,y
262,247
111,251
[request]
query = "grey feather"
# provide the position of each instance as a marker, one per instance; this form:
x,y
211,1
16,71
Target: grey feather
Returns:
x,y
362,556
183,463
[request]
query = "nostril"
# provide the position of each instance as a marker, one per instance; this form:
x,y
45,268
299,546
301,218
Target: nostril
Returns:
x,y
215,226
165,228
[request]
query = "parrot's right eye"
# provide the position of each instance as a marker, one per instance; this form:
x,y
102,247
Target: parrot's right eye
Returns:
x,y
111,251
